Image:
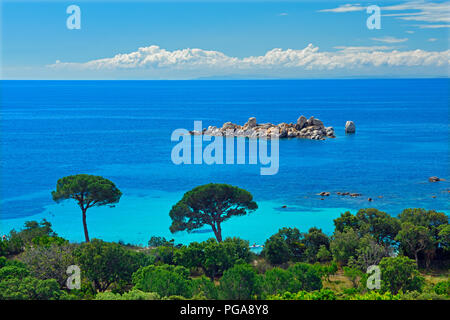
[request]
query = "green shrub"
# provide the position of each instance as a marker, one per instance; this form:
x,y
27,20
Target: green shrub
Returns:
x,y
323,294
4,262
16,242
286,245
304,277
240,283
374,295
277,281
166,280
323,254
442,288
130,295
353,275
174,298
9,272
3,247
158,242
204,287
400,273
212,257
29,288
106,263
415,295
49,261
47,241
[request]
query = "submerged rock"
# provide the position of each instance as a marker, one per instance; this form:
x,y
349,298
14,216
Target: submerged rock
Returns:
x,y
346,193
355,195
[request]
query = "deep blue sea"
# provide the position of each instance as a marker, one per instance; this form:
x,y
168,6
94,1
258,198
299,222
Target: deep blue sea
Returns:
x,y
121,130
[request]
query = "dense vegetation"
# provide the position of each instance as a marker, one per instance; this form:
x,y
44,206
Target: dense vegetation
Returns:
x,y
412,251
292,265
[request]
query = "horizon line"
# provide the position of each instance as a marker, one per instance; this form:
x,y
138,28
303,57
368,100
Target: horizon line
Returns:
x,y
246,79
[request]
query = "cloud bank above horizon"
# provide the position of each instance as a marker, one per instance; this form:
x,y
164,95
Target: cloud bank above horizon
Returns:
x,y
156,62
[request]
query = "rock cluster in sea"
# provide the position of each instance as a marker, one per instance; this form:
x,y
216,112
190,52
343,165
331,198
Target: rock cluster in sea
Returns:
x,y
311,128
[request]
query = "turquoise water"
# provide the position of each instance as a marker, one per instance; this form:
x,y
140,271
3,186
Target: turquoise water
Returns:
x,y
121,130
135,218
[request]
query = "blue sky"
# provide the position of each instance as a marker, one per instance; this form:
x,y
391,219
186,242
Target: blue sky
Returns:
x,y
235,39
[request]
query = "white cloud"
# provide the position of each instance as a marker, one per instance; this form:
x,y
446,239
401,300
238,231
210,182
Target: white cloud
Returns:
x,y
432,39
283,14
345,8
409,31
155,57
432,26
157,61
389,39
424,11
420,10
365,48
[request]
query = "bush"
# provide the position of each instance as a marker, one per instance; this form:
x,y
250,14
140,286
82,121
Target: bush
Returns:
x,y
166,280
3,247
323,294
276,281
323,255
47,241
354,275
15,242
9,272
165,255
130,295
400,273
374,295
314,241
174,298
327,270
286,245
276,250
203,287
159,242
415,295
344,244
49,262
5,262
240,283
29,288
304,277
442,287
213,257
106,263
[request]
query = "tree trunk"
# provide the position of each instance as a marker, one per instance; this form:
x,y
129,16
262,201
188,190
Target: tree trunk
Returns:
x,y
86,235
417,259
217,232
